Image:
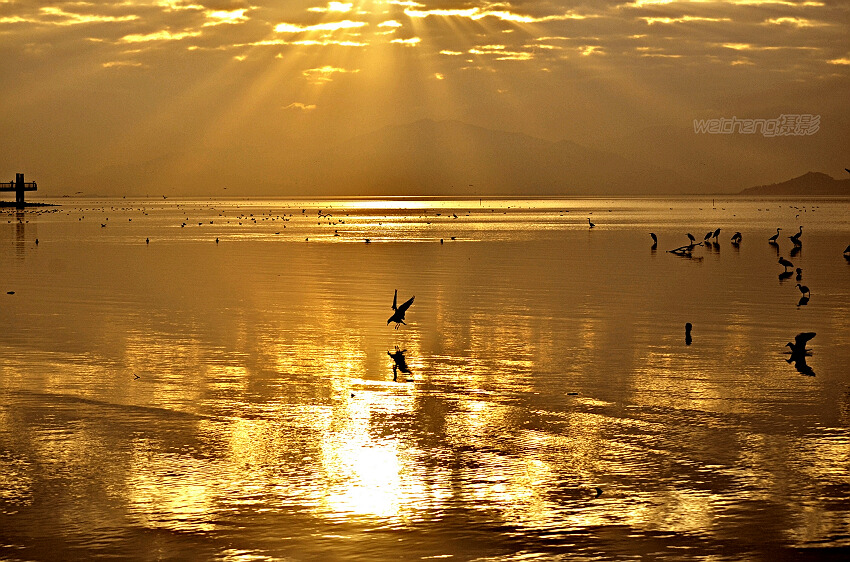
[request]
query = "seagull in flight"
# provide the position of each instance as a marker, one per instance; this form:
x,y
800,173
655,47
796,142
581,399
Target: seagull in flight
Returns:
x,y
398,315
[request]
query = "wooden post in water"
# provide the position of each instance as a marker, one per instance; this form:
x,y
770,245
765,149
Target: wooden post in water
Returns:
x,y
19,186
19,190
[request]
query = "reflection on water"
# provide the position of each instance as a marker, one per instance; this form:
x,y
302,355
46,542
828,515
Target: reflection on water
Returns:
x,y
247,399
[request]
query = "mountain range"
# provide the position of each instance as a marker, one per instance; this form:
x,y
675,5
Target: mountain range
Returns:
x,y
809,184
436,158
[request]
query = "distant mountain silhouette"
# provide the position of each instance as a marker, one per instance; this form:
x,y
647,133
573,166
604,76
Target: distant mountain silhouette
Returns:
x,y
453,158
811,183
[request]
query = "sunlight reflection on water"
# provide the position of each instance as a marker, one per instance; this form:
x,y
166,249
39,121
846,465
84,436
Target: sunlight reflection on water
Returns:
x,y
547,359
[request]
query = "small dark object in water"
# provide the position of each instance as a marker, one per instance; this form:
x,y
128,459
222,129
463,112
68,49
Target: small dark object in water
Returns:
x,y
598,491
688,338
10,292
572,394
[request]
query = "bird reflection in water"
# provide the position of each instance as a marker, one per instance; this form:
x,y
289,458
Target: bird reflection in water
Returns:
x,y
399,362
799,353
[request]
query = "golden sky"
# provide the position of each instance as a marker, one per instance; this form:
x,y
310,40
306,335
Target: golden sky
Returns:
x,y
116,97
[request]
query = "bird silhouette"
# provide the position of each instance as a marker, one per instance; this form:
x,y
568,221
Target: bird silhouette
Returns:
x,y
716,234
773,238
691,237
688,338
796,238
399,362
799,353
655,239
785,263
736,238
398,315
798,346
804,290
590,223
799,271
707,236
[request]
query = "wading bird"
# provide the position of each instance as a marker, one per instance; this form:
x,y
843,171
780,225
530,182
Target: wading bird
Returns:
x,y
796,238
691,237
773,238
804,290
590,223
736,238
707,236
798,346
655,240
716,234
785,263
398,315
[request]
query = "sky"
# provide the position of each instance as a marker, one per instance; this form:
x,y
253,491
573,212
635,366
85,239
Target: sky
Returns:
x,y
186,97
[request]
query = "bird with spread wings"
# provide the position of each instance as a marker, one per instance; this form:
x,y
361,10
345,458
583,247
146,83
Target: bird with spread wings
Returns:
x,y
398,315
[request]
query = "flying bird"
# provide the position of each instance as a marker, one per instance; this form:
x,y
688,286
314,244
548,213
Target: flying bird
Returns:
x,y
773,238
785,263
398,315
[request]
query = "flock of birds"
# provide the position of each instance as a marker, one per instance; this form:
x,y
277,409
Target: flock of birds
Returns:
x,y
798,351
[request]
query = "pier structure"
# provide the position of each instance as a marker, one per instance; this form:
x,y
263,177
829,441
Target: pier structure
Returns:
x,y
19,186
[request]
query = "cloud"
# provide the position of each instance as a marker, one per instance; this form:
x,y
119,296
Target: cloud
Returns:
x,y
333,7
412,42
164,35
330,26
325,74
297,105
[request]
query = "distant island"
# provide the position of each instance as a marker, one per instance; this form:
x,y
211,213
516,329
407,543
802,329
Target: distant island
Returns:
x,y
809,184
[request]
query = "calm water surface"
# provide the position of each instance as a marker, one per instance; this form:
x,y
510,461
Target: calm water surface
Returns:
x,y
546,360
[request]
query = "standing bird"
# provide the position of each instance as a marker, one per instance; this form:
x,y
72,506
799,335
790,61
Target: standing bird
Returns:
x,y
796,238
707,237
736,238
804,290
773,238
785,263
398,315
590,223
655,240
691,238
716,234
